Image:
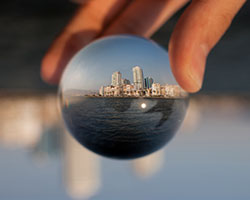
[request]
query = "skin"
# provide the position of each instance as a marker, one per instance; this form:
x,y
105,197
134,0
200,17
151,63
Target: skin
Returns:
x,y
198,30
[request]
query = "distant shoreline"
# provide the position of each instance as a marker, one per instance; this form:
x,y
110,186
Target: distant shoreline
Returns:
x,y
128,97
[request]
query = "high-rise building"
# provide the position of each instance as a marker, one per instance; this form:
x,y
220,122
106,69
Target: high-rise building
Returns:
x,y
148,81
125,81
156,89
116,79
138,78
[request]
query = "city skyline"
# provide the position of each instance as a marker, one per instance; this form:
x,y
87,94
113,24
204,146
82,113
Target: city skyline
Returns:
x,y
140,87
138,79
93,66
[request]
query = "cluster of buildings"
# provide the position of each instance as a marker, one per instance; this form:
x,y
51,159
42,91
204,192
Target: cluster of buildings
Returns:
x,y
141,87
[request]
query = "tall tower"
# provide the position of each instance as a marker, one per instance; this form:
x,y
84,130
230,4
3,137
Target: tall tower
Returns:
x,y
125,81
138,78
116,79
148,81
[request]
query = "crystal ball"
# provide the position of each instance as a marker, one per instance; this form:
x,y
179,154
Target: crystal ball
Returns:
x,y
119,99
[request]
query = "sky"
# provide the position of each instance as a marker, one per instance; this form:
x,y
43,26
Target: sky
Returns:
x,y
93,66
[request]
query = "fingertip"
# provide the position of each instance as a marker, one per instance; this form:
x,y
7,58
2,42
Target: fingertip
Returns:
x,y
191,85
187,81
48,70
187,64
189,76
198,30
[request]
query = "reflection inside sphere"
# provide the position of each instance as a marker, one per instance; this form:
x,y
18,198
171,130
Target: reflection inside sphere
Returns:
x,y
119,98
143,105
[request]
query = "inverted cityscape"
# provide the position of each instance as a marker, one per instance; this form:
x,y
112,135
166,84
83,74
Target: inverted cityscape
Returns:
x,y
141,87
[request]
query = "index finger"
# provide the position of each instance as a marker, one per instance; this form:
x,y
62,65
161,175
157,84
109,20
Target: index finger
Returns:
x,y
87,24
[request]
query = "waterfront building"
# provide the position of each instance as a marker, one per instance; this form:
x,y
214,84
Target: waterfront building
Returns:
x,y
139,93
172,90
117,91
108,91
125,81
148,81
163,90
140,88
148,92
101,91
156,89
138,78
169,91
116,79
128,90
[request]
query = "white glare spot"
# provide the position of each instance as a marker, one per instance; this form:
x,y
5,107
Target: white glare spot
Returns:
x,y
143,105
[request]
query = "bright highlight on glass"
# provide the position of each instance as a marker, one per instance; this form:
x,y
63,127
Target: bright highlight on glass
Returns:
x,y
119,98
143,105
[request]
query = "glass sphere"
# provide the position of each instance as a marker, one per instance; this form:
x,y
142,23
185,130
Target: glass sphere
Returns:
x,y
119,99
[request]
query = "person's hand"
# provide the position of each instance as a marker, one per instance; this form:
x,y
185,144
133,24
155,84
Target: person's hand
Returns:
x,y
199,28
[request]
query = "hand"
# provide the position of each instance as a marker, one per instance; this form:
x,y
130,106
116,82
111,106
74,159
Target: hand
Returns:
x,y
198,30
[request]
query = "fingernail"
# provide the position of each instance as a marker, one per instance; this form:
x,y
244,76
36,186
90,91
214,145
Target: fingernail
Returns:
x,y
197,68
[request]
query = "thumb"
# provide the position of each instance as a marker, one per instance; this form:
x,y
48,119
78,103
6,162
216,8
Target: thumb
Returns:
x,y
200,27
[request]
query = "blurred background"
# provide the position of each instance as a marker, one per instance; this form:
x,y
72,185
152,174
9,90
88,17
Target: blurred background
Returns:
x,y
208,158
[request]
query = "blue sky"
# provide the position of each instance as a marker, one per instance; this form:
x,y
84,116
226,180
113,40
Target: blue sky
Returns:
x,y
94,65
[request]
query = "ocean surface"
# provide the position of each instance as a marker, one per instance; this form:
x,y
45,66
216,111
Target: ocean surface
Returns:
x,y
123,127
